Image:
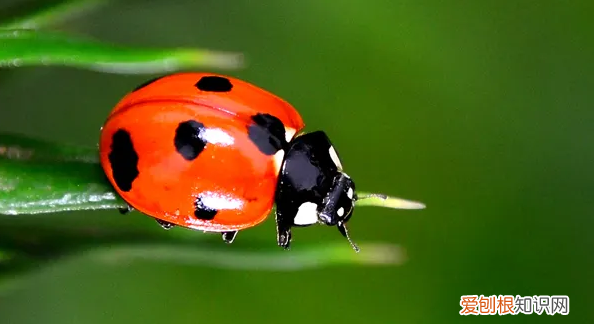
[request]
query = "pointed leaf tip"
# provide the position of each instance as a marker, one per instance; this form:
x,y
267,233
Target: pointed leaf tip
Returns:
x,y
44,48
225,60
381,200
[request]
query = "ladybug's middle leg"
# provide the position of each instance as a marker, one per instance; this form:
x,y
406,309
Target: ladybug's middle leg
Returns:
x,y
229,236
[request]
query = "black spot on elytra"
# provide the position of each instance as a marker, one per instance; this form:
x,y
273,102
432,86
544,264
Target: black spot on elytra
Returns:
x,y
123,159
188,140
268,133
203,212
214,84
146,83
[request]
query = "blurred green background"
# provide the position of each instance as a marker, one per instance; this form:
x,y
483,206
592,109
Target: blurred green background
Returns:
x,y
480,109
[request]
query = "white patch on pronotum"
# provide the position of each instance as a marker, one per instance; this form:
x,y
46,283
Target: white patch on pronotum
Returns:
x,y
278,160
340,212
307,214
289,133
350,193
334,157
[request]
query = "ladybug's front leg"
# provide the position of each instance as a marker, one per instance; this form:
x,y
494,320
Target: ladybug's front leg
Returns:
x,y
283,238
283,230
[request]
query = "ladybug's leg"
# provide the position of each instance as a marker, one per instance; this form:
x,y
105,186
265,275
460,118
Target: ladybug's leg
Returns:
x,y
283,238
229,237
164,224
283,230
125,210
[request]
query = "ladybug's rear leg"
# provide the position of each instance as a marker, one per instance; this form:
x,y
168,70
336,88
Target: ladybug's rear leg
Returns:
x,y
165,225
126,210
229,237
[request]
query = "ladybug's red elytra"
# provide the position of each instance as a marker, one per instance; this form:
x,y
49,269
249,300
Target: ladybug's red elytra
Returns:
x,y
214,153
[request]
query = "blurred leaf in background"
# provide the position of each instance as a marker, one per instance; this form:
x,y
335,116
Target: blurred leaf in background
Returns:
x,y
46,14
482,110
30,47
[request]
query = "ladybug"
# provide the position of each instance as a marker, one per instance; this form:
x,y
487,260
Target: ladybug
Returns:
x,y
214,153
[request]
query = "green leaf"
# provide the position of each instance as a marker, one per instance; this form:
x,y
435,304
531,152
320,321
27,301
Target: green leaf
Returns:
x,y
268,259
382,200
47,15
42,177
22,47
263,257
25,249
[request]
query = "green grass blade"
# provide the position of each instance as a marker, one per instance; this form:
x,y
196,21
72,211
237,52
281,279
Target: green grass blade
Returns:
x,y
210,254
31,187
48,15
23,244
382,200
36,48
40,177
272,258
14,275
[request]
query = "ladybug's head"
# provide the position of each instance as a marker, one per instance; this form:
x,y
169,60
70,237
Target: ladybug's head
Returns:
x,y
312,188
338,205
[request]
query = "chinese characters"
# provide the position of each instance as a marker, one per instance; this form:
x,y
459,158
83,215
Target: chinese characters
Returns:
x,y
513,305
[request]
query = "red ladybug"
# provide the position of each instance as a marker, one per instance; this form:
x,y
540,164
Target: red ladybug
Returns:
x,y
214,153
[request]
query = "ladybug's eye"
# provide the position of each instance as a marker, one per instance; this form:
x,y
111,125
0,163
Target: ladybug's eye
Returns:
x,y
345,209
338,204
346,200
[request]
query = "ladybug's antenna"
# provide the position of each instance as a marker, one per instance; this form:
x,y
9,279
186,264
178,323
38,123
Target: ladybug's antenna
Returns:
x,y
381,200
343,230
